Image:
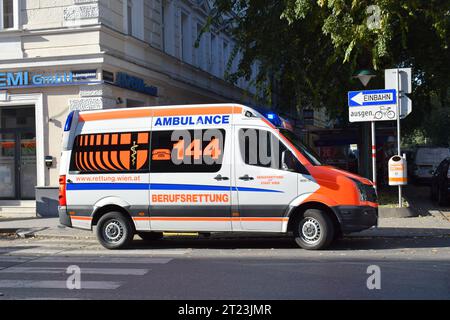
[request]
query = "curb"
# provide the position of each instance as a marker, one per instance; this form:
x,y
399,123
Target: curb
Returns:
x,y
28,233
8,230
397,212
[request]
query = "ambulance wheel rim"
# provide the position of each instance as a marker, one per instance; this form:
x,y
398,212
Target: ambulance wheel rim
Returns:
x,y
311,231
114,231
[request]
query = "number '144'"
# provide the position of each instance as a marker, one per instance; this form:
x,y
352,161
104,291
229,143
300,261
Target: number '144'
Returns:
x,y
194,149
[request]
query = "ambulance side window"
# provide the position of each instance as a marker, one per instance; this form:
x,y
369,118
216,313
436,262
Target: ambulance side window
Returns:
x,y
261,148
118,152
187,150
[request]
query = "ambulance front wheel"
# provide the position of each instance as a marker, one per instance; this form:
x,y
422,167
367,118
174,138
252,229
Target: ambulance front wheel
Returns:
x,y
114,230
314,230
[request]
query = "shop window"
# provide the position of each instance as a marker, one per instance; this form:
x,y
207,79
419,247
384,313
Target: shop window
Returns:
x,y
124,152
187,150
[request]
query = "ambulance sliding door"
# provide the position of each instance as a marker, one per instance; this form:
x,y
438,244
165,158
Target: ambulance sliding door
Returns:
x,y
190,178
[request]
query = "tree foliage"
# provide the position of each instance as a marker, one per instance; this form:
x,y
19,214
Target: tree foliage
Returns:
x,y
309,50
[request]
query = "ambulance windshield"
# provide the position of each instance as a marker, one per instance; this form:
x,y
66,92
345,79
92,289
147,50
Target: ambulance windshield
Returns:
x,y
306,151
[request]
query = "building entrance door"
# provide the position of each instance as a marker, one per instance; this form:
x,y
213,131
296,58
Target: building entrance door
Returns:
x,y
17,153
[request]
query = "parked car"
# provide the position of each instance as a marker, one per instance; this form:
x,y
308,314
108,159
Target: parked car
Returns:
x,y
426,160
440,183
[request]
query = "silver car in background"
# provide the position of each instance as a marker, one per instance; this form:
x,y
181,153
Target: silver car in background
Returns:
x,y
426,160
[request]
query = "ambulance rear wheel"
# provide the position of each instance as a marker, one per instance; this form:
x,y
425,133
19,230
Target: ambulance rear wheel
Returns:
x,y
114,231
314,230
150,236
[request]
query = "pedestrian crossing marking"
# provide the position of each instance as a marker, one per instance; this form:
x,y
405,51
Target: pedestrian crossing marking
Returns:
x,y
100,271
57,284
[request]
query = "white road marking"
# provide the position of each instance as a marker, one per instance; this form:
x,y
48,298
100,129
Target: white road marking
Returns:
x,y
139,252
32,251
103,271
51,284
105,260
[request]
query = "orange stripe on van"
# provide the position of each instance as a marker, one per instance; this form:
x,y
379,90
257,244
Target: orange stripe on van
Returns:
x,y
142,113
98,160
260,219
106,160
265,219
189,219
86,161
195,111
115,159
81,218
116,114
92,161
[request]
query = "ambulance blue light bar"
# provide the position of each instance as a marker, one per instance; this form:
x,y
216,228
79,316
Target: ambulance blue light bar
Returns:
x,y
274,119
69,121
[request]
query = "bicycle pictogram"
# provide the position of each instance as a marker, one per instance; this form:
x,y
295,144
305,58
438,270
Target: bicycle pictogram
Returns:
x,y
385,112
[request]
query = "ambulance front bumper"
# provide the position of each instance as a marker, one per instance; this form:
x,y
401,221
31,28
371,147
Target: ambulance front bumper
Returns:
x,y
356,218
64,218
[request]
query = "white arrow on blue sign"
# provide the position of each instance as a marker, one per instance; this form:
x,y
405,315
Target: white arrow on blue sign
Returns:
x,y
372,97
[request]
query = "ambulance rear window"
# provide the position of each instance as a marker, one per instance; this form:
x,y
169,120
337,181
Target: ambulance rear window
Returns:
x,y
124,152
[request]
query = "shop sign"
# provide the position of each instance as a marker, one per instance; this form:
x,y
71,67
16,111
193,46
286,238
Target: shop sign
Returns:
x,y
127,81
20,79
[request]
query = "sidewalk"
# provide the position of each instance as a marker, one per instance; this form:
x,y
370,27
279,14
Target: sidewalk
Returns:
x,y
43,227
429,226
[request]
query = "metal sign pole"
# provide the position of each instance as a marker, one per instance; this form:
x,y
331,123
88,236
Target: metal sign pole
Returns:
x,y
398,133
374,155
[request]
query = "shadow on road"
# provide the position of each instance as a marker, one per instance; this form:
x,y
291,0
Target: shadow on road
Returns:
x,y
347,243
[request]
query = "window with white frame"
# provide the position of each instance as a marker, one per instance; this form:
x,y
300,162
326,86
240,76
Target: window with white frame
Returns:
x,y
185,38
226,56
163,26
167,26
201,50
9,14
134,18
214,55
129,15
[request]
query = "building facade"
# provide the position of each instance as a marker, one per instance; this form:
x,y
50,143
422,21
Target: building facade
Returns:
x,y
62,55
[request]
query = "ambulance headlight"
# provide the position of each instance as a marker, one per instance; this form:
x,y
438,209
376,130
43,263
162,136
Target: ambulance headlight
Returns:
x,y
367,192
361,189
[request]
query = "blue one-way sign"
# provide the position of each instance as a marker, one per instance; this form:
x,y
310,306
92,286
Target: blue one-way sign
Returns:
x,y
372,98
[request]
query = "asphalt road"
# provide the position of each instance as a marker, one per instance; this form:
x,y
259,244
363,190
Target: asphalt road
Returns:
x,y
261,268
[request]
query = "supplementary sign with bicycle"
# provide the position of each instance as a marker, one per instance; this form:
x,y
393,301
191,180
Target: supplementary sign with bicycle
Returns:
x,y
372,105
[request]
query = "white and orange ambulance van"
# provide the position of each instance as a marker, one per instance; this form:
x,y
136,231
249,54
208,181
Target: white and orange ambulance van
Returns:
x,y
202,168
